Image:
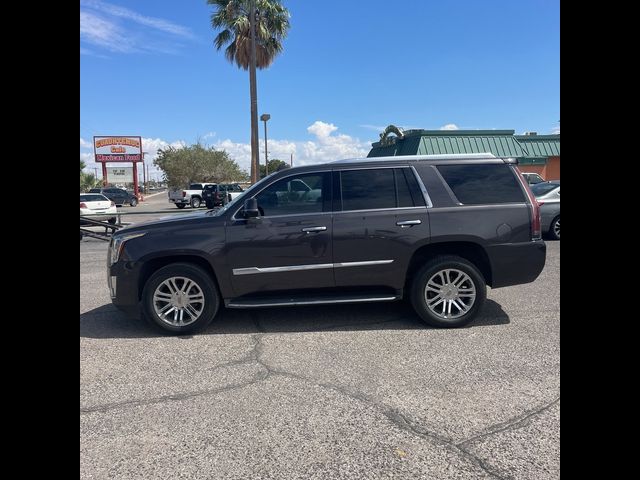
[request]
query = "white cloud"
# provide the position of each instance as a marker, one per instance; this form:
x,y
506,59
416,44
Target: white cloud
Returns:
x,y
153,22
118,29
556,130
450,126
85,144
103,33
326,147
377,128
321,129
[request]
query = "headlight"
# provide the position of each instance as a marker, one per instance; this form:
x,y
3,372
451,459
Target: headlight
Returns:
x,y
117,243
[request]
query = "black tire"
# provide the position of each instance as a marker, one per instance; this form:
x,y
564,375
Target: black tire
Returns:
x,y
554,232
80,236
112,220
431,268
196,202
133,202
191,272
180,205
209,204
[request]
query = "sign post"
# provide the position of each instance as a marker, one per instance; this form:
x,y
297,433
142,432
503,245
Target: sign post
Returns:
x,y
123,149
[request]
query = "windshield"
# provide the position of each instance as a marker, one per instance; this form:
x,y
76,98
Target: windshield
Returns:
x,y
540,189
240,198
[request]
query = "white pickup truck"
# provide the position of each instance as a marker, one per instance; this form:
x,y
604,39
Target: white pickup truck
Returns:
x,y
191,196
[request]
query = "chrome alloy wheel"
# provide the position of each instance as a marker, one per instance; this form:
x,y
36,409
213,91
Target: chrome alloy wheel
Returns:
x,y
556,228
178,301
450,293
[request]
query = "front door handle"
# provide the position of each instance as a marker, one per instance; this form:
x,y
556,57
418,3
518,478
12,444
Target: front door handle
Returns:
x,y
308,230
408,223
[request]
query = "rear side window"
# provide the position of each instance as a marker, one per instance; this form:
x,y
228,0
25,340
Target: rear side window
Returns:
x,y
370,189
195,186
482,184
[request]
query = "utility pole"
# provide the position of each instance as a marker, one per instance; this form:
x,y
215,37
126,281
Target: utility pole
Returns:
x,y
264,117
254,96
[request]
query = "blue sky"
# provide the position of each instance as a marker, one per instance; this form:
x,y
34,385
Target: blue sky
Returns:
x,y
349,68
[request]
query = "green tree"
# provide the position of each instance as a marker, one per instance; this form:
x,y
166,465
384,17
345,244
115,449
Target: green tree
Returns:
x,y
274,166
82,165
197,163
88,181
239,30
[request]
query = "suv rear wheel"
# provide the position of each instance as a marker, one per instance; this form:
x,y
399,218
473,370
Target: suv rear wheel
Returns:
x,y
180,298
448,291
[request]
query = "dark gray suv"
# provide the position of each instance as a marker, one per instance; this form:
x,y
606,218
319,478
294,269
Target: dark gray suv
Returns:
x,y
435,229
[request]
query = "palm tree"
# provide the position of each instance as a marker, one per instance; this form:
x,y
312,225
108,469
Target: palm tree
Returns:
x,y
252,40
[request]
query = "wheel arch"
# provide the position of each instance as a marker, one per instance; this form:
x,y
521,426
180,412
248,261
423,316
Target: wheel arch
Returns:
x,y
153,265
473,252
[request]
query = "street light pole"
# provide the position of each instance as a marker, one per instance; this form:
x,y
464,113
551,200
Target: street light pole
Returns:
x,y
264,117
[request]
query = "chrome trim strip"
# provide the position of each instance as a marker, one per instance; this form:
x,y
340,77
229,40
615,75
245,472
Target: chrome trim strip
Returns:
x,y
312,302
427,199
291,268
314,266
361,264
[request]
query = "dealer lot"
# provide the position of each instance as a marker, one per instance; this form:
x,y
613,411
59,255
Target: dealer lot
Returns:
x,y
351,391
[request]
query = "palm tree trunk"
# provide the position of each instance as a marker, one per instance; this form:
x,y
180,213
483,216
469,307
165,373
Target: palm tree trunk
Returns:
x,y
254,96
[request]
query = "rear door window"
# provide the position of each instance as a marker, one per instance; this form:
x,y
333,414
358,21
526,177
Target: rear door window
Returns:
x,y
482,184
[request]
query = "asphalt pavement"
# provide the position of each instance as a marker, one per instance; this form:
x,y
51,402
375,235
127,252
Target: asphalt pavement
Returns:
x,y
344,392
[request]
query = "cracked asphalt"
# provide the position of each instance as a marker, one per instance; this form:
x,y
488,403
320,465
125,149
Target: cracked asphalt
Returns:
x,y
337,392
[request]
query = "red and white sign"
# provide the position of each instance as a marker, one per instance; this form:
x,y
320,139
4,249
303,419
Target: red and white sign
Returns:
x,y
117,149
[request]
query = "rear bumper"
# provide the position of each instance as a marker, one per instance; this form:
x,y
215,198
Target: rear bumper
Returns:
x,y
516,263
181,200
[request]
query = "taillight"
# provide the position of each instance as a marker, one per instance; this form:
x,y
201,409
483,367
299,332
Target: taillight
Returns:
x,y
536,233
83,205
113,204
184,194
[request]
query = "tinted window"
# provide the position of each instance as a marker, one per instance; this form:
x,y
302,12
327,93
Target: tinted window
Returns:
x,y
209,187
94,190
409,193
368,189
236,188
93,198
540,189
294,195
480,184
195,186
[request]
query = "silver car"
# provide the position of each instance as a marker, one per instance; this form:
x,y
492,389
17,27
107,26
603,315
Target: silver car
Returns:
x,y
548,196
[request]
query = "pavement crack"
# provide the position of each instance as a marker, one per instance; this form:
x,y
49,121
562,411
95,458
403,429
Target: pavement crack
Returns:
x,y
173,397
513,423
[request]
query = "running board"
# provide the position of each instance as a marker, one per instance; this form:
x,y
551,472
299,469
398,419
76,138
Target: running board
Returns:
x,y
320,300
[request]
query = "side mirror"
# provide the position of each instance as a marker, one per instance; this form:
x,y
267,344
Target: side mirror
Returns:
x,y
251,208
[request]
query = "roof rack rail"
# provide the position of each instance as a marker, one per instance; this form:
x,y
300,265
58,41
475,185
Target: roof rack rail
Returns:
x,y
444,156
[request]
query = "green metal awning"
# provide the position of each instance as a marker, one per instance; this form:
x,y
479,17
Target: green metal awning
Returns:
x,y
501,143
540,145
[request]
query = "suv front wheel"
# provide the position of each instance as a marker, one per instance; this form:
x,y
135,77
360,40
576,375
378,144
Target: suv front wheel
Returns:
x,y
448,291
180,298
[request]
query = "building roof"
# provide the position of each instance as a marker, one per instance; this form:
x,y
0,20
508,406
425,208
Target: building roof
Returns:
x,y
501,143
538,146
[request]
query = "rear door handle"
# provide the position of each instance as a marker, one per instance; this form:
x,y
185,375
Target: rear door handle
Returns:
x,y
408,223
314,229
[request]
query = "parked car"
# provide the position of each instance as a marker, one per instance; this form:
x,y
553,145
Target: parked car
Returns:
x,y
118,195
435,229
96,203
548,196
190,196
220,194
532,178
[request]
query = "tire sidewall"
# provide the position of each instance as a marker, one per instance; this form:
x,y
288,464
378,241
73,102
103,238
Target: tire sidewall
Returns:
x,y
133,202
427,271
552,230
193,272
194,201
